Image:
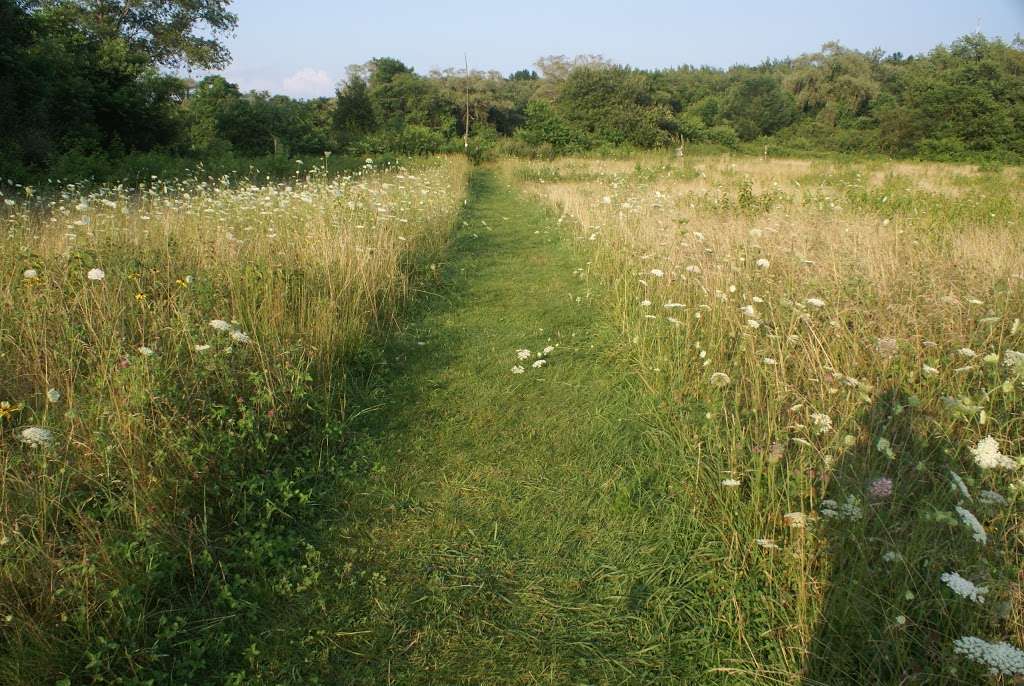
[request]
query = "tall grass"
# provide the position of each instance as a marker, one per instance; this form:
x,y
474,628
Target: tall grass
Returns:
x,y
173,370
826,343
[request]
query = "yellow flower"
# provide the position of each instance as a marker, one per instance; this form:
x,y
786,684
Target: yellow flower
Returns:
x,y
140,296
6,409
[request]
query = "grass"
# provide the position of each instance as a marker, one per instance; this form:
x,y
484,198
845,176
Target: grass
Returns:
x,y
161,510
740,462
884,308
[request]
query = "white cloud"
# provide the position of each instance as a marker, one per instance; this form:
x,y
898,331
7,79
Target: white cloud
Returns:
x,y
308,83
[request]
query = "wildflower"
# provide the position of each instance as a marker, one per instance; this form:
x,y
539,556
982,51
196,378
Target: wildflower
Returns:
x,y
145,352
1014,360
539,363
35,436
887,347
929,371
30,274
220,325
755,233
880,488
959,484
523,354
964,587
892,556
883,446
1000,658
201,347
796,520
987,455
657,272
548,350
767,543
719,380
762,263
517,369
815,302
967,352
645,303
240,337
96,274
693,269
991,498
748,311
730,483
850,509
969,520
822,423
53,395
769,360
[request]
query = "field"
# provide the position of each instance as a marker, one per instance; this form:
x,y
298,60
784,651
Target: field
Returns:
x,y
658,420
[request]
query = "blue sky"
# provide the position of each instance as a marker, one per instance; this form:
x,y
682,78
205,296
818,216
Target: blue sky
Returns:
x,y
301,47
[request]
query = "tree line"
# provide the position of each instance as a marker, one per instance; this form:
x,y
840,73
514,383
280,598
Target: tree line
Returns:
x,y
83,81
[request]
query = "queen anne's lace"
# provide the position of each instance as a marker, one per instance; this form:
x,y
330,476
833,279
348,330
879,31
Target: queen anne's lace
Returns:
x,y
1000,658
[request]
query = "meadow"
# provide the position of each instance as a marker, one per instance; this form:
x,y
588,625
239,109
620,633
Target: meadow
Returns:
x,y
711,419
835,348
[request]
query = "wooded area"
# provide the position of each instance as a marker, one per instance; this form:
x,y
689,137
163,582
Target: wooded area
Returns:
x,y
84,86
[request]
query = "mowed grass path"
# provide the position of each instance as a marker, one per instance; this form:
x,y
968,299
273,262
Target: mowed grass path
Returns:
x,y
502,528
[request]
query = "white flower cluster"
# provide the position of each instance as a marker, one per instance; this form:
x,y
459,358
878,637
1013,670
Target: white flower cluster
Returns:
x,y
1000,658
970,520
35,436
822,423
237,335
524,354
987,455
850,509
965,588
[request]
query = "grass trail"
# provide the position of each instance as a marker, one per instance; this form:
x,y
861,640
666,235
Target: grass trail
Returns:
x,y
501,528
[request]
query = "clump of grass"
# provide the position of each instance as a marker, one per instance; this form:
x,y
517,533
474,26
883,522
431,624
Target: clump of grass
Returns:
x,y
173,372
828,343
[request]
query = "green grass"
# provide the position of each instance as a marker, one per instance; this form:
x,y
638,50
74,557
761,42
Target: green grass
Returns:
x,y
501,528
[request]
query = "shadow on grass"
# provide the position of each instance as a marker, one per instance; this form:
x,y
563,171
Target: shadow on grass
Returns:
x,y
886,617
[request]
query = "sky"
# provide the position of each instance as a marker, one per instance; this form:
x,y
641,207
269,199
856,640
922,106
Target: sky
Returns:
x,y
302,47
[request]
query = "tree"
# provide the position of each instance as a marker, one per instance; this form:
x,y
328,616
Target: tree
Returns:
x,y
353,112
756,105
168,33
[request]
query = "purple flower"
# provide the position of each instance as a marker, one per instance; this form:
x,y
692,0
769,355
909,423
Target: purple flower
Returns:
x,y
880,488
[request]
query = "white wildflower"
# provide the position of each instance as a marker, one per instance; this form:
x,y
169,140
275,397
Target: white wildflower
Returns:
x,y
929,370
96,274
548,350
822,423
719,379
657,272
53,395
240,337
645,303
991,498
762,263
815,302
144,351
892,556
967,352
767,543
539,363
730,483
30,274
201,347
964,588
220,325
969,520
35,436
1000,658
693,269
517,369
987,455
959,484
795,520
